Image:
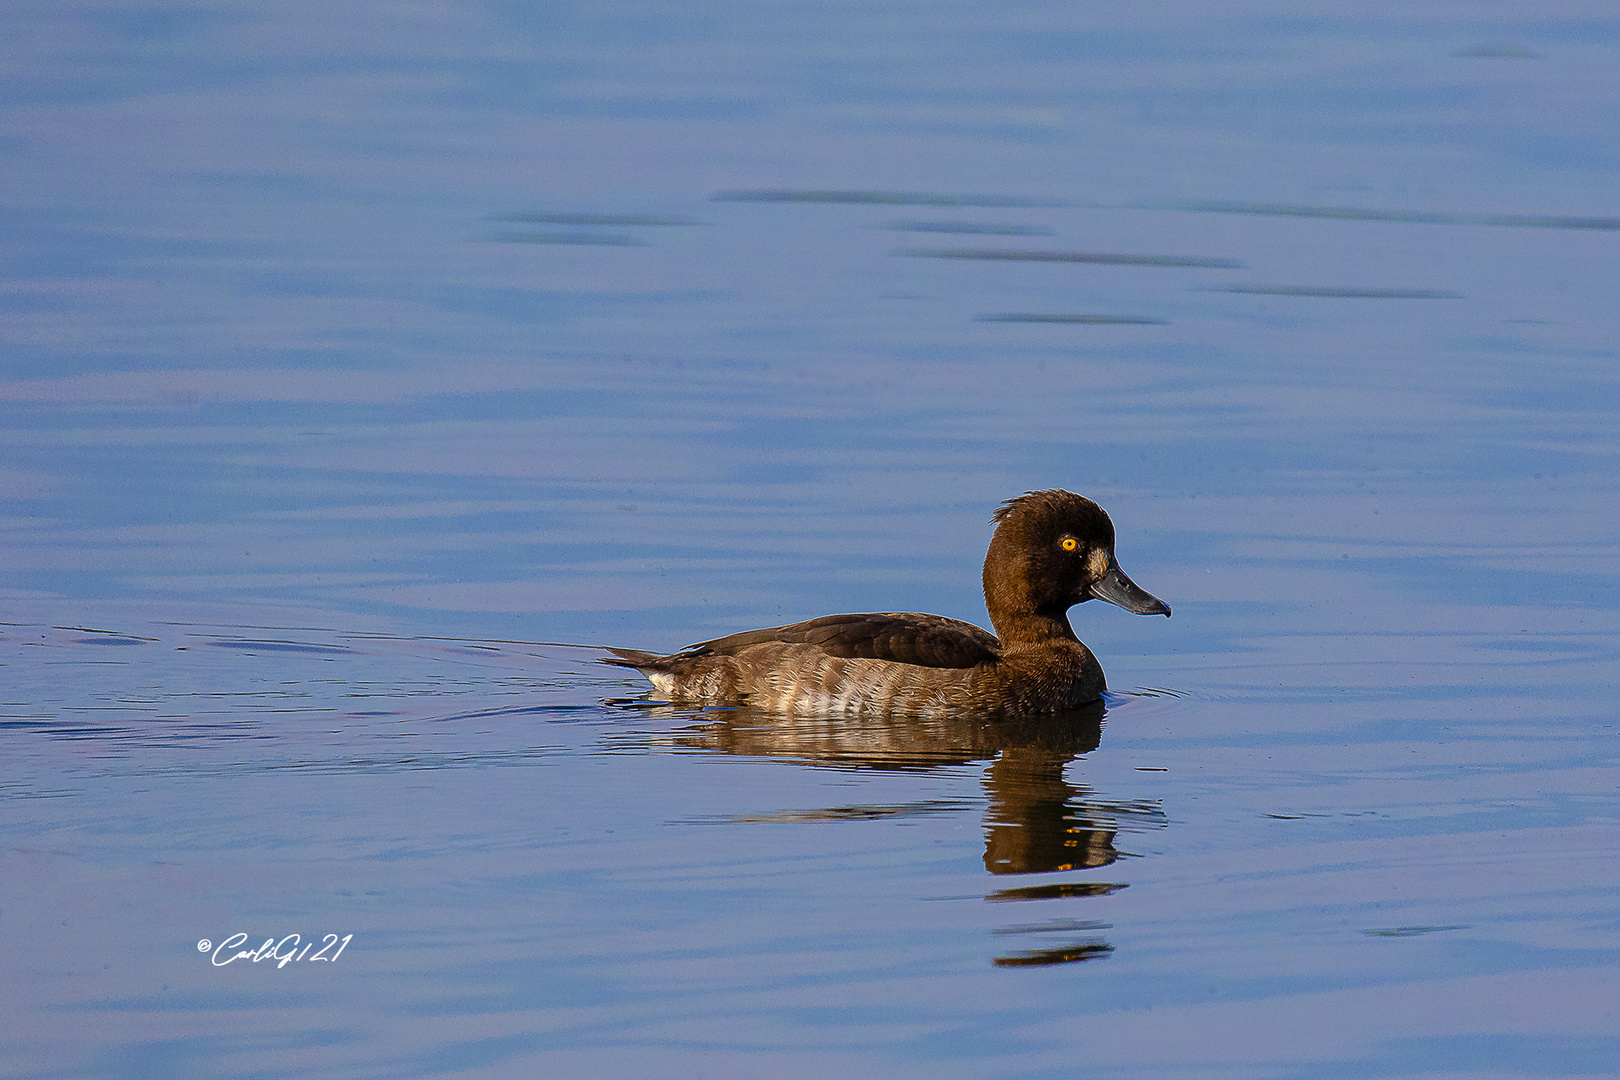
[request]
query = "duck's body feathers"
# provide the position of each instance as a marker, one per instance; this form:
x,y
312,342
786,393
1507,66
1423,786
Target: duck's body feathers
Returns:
x,y
835,665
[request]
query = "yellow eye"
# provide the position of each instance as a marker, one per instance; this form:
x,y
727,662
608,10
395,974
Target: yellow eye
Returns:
x,y
1069,543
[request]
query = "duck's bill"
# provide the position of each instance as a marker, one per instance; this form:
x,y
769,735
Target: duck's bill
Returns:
x,y
1116,588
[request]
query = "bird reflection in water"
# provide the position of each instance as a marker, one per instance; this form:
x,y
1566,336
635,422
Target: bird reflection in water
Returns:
x,y
1036,821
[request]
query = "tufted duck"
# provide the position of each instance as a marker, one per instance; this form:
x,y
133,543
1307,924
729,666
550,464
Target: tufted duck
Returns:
x,y
1051,549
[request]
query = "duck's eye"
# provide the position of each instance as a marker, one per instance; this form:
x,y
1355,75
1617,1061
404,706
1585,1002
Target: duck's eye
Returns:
x,y
1069,543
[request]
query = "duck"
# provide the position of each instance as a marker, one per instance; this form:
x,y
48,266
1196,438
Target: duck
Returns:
x,y
1050,550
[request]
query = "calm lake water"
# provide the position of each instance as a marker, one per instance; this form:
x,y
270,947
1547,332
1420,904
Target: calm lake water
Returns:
x,y
364,366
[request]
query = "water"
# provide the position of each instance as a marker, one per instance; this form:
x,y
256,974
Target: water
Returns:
x,y
360,366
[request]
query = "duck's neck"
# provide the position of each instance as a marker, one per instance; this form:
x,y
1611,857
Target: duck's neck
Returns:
x,y
1022,628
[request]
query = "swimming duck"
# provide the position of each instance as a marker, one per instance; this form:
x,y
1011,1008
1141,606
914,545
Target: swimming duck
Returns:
x,y
1051,550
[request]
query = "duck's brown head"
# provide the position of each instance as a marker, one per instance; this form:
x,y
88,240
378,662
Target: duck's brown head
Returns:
x,y
1051,550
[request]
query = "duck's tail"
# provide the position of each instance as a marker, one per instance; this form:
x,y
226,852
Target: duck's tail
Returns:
x,y
634,658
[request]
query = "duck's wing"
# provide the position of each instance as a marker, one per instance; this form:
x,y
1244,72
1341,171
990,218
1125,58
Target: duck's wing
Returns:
x,y
899,637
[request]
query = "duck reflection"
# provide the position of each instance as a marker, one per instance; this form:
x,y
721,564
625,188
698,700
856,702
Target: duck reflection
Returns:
x,y
1036,820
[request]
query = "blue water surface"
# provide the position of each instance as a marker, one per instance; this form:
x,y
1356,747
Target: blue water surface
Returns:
x,y
365,368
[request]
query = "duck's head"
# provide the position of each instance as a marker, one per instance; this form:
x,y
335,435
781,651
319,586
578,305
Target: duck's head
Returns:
x,y
1051,550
